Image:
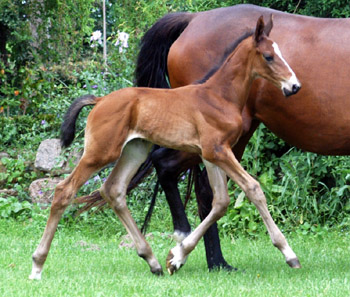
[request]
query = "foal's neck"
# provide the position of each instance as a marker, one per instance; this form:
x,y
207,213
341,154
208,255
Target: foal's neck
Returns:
x,y
234,78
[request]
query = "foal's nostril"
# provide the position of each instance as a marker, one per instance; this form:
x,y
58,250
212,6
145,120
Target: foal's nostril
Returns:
x,y
295,88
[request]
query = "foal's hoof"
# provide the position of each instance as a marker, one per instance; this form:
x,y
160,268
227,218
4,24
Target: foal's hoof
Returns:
x,y
158,272
175,259
294,263
35,276
169,264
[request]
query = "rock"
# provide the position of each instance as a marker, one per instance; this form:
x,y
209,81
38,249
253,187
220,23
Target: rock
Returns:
x,y
48,155
49,158
2,176
72,161
41,190
4,155
8,193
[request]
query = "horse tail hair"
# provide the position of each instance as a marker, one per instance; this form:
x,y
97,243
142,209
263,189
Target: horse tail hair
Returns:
x,y
68,125
151,68
150,210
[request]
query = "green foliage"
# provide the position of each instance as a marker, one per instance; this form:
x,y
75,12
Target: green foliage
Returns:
x,y
17,173
11,208
50,61
302,189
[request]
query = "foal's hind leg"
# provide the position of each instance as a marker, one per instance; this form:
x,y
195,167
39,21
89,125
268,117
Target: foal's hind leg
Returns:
x,y
170,164
114,191
64,193
218,183
211,238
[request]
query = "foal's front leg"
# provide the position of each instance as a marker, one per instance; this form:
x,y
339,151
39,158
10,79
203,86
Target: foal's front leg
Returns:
x,y
255,194
114,191
217,179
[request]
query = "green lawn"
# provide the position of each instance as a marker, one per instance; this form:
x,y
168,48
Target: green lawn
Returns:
x,y
83,264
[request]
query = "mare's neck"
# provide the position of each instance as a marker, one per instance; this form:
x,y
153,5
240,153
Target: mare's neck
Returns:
x,y
234,78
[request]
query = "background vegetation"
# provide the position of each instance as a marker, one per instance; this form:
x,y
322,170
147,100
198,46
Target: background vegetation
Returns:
x,y
48,59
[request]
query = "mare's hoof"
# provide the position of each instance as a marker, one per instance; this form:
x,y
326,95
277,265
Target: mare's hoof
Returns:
x,y
223,266
294,263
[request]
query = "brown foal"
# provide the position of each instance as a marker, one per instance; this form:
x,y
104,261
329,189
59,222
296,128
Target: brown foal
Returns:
x,y
205,119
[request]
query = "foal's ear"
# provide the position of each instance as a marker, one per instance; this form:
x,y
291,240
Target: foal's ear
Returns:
x,y
269,26
259,31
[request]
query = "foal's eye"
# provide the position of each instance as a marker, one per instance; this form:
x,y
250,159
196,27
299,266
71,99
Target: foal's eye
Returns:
x,y
268,58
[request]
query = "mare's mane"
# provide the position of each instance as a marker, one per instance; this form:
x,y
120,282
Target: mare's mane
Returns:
x,y
227,52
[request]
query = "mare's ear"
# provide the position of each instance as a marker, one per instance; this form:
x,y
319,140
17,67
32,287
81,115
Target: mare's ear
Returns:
x,y
260,25
269,26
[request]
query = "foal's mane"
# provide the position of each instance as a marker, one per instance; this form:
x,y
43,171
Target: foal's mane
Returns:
x,y
227,52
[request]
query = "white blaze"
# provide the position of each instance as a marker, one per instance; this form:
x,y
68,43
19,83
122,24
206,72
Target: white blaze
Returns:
x,y
293,79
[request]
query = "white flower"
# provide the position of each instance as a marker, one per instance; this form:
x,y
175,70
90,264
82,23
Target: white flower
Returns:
x,y
122,41
96,36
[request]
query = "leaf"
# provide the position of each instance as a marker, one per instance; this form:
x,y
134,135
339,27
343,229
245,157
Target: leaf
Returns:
x,y
341,190
239,201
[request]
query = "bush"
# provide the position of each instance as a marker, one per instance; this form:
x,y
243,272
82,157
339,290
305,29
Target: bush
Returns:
x,y
42,74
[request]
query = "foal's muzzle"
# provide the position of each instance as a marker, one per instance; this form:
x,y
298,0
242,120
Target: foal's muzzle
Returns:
x,y
288,92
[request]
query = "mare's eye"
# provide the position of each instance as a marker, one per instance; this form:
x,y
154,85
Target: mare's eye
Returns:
x,y
268,58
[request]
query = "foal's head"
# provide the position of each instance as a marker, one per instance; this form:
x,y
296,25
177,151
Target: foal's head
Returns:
x,y
269,63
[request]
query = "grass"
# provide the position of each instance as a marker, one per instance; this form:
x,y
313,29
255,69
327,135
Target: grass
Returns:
x,y
82,263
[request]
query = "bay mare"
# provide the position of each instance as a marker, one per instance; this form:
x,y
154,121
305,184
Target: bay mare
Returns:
x,y
185,46
204,119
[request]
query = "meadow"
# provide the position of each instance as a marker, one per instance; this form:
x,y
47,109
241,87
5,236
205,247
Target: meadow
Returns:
x,y
84,263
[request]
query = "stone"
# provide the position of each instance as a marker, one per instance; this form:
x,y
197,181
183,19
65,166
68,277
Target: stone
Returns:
x,y
2,176
41,190
48,155
4,155
8,193
72,161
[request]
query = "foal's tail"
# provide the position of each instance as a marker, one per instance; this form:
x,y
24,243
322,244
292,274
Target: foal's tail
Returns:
x,y
68,125
151,69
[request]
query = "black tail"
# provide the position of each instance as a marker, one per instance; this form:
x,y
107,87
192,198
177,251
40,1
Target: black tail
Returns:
x,y
68,125
151,69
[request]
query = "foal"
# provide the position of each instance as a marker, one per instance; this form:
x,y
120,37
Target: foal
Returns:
x,y
204,119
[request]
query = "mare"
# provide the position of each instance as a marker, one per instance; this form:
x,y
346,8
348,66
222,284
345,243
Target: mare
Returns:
x,y
204,119
185,46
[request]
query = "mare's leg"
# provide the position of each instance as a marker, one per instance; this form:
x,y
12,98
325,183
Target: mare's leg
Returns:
x,y
255,194
169,165
218,182
114,191
64,193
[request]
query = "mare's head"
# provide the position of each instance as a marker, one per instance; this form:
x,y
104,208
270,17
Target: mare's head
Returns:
x,y
269,63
